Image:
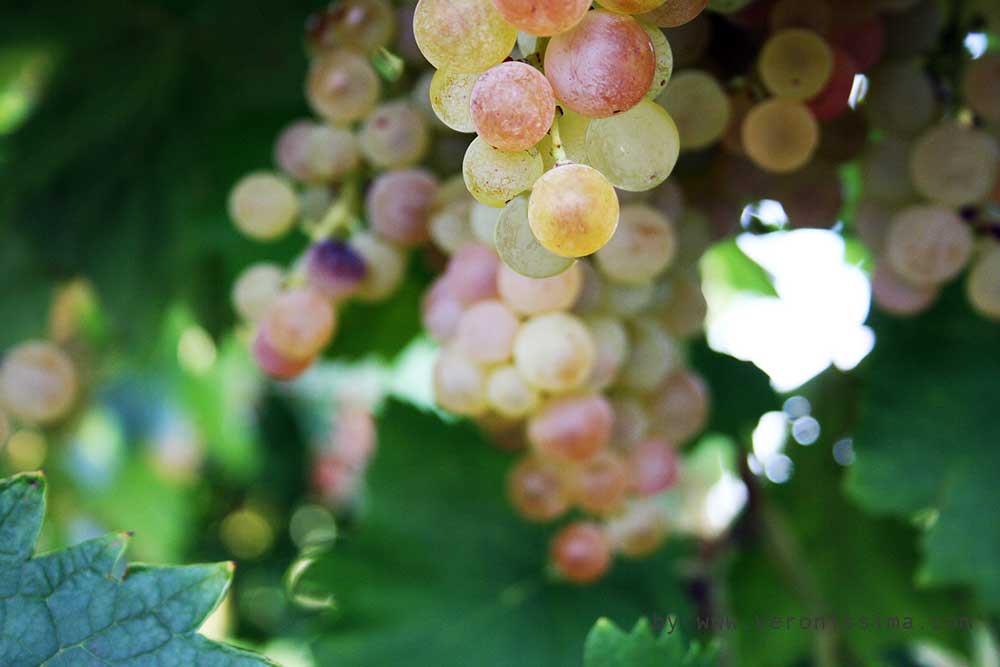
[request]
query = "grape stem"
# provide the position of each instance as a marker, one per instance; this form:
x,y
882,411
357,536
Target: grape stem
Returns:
x,y
342,216
558,151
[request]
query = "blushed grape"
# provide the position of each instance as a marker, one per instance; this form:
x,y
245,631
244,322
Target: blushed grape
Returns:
x,y
450,95
604,65
796,64
299,323
536,296
385,266
664,60
334,269
399,205
486,332
571,429
459,384
611,349
678,410
543,18
275,364
518,247
898,297
674,13
642,248
316,153
263,206
653,466
954,165
536,490
981,87
699,107
780,135
342,86
554,352
600,483
494,177
635,150
509,394
581,553
652,355
256,288
512,106
983,286
462,35
573,210
394,135
472,272
928,245
440,310
38,382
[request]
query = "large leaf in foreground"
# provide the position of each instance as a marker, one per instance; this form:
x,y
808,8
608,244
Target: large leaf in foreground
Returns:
x,y
443,573
610,646
81,607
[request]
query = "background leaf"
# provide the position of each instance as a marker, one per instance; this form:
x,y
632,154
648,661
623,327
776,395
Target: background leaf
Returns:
x,y
609,646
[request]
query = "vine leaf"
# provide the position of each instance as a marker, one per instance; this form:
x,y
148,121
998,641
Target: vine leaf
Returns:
x,y
83,607
609,646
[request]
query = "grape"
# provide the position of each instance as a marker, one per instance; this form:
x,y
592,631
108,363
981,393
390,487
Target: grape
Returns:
x,y
486,332
690,41
699,107
898,297
928,245
664,60
900,98
483,220
627,300
652,355
342,86
509,394
554,352
834,99
450,94
685,312
256,289
299,323
914,31
581,552
359,25
535,296
441,310
394,135
494,177
314,203
863,37
334,269
275,364
263,206
673,13
611,349
573,210
459,384
954,165
981,87
472,273
573,132
642,248
536,490
984,283
603,66
315,153
815,15
399,205
599,484
871,222
462,35
571,429
38,382
635,150
780,135
796,64
385,264
512,106
652,467
885,172
451,211
640,529
518,247
543,18
678,409
631,422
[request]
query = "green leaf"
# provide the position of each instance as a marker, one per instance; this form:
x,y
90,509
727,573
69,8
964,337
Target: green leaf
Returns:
x,y
442,572
726,264
82,607
740,391
928,440
609,646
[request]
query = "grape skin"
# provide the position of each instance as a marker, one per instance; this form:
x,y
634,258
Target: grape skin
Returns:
x,y
635,150
953,165
509,394
600,483
573,210
543,19
342,86
334,269
554,352
315,153
928,245
275,364
611,349
699,107
263,206
664,60
780,135
256,289
898,297
459,384
536,296
642,248
494,177
462,35
571,429
394,136
512,106
678,409
518,247
450,95
486,332
386,266
796,64
674,13
299,323
399,205
653,467
537,491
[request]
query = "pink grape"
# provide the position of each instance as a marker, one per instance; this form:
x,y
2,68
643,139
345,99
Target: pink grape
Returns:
x,y
573,428
486,332
536,490
581,552
652,466
512,106
472,273
276,364
542,18
399,205
299,323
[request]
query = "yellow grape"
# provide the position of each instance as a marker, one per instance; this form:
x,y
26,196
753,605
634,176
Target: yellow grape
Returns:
x,y
494,177
554,352
664,60
641,249
256,289
518,247
796,64
780,135
342,86
462,35
573,210
509,394
635,150
459,384
450,93
954,165
263,206
928,245
699,106
640,529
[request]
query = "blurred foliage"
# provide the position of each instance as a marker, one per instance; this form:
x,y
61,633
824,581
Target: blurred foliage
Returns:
x,y
609,646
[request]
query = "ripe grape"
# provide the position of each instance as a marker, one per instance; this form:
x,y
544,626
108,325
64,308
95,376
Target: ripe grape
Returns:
x,y
627,300
640,529
573,210
652,355
652,467
342,86
518,247
631,421
780,135
928,245
359,25
900,98
263,206
486,332
450,94
954,165
299,323
898,297
462,35
673,13
535,296
599,484
871,222
494,177
571,429
678,410
611,349
512,106
275,364
315,153
796,64
664,60
635,150
981,87
335,269
602,66
256,289
509,394
459,384
536,490
835,97
699,106
581,552
472,273
441,310
642,248
394,135
38,382
543,18
554,352
385,264
399,205
983,287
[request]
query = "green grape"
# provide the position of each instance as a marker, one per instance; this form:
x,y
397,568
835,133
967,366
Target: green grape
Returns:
x,y
395,135
796,64
642,248
573,210
664,60
38,382
573,132
635,150
928,245
509,394
955,165
518,247
450,93
652,355
699,107
554,352
686,309
256,289
983,286
611,349
630,6
462,35
263,206
494,177
342,86
459,384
